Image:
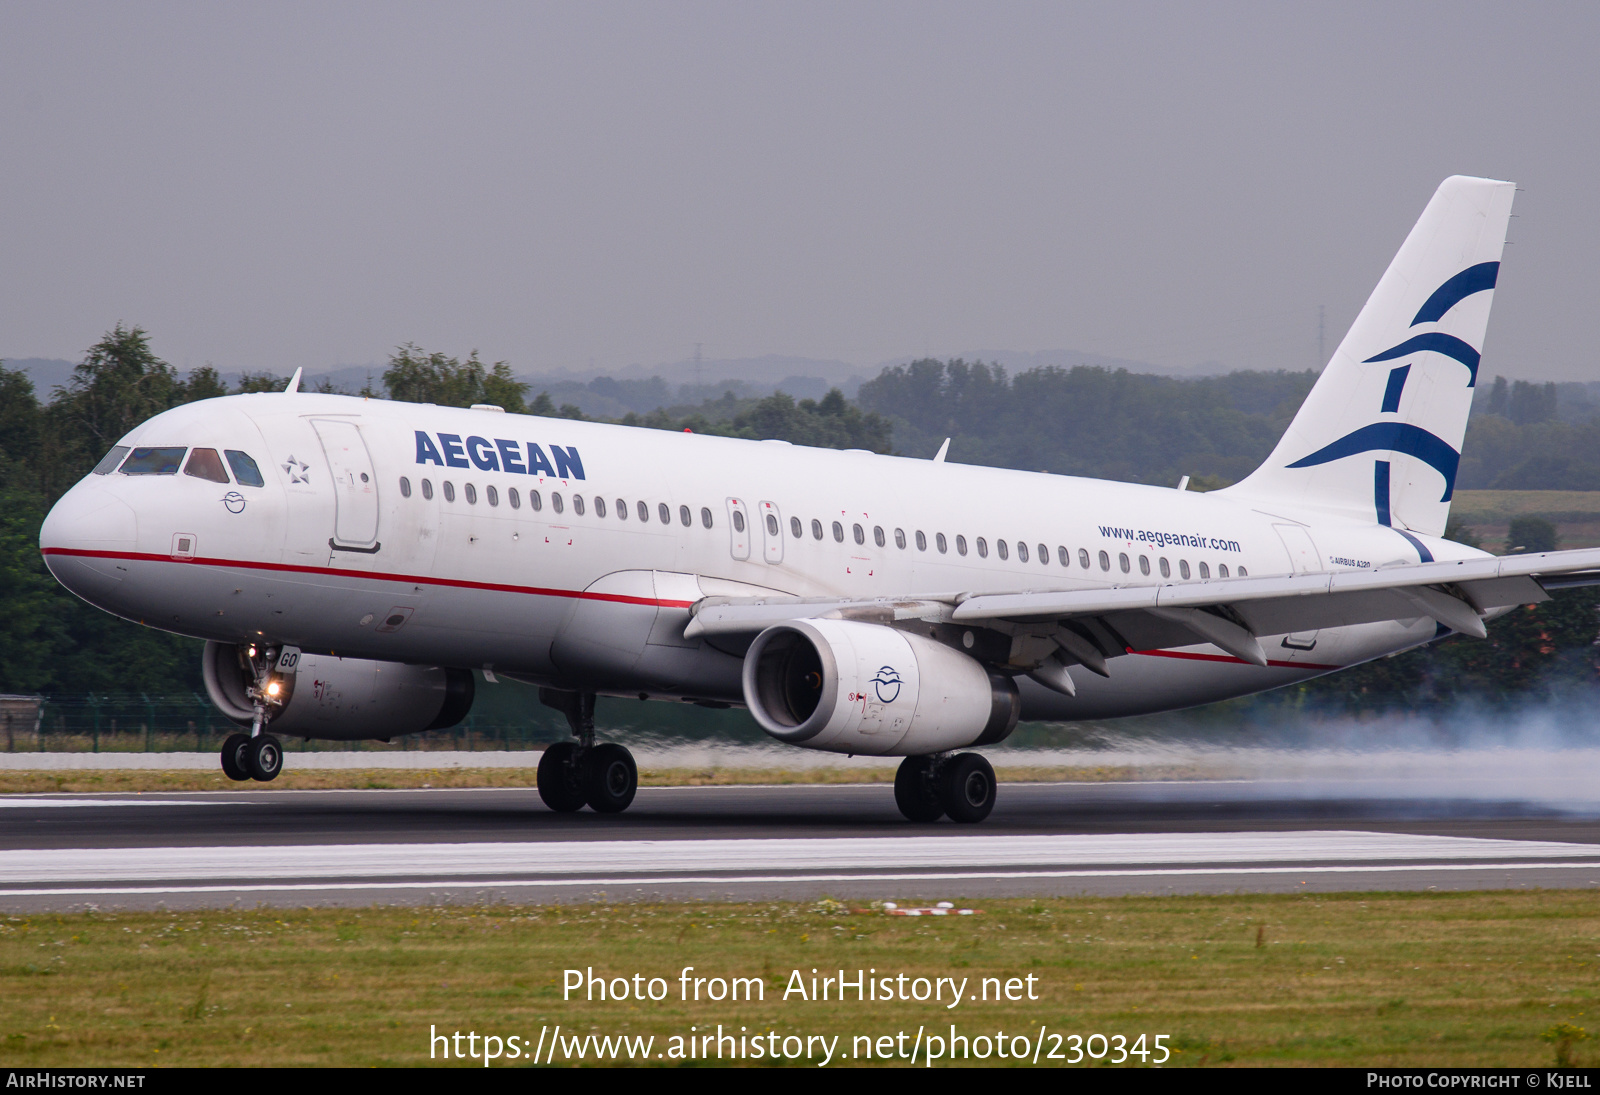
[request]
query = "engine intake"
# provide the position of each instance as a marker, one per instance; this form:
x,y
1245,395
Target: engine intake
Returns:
x,y
343,699
850,687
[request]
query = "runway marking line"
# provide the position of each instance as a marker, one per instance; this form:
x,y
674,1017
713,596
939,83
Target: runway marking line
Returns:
x,y
647,880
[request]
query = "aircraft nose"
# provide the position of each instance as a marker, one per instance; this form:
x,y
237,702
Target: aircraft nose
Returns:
x,y
84,534
87,519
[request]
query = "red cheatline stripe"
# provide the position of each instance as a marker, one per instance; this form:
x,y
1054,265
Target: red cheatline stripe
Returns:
x,y
1184,654
336,572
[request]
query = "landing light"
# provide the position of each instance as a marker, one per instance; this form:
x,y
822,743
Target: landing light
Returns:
x,y
274,688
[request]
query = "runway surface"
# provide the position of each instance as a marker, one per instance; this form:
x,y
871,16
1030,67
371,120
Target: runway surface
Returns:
x,y
365,847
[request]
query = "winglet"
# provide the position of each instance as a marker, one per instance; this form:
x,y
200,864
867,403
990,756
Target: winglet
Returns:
x,y
294,383
938,457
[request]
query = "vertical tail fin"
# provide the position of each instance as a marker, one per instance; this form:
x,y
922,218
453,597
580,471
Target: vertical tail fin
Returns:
x,y
1379,437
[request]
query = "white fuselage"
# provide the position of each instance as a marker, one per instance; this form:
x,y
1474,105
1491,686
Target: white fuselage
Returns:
x,y
570,592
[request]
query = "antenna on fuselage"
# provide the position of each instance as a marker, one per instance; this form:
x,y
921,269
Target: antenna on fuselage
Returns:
x,y
294,382
938,457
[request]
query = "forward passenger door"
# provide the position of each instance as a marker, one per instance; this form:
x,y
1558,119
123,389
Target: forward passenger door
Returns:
x,y
355,485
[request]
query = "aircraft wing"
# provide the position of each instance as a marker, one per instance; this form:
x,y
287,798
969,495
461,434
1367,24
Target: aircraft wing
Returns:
x,y
1226,612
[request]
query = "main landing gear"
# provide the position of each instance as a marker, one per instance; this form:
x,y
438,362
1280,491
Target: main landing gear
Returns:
x,y
928,788
574,774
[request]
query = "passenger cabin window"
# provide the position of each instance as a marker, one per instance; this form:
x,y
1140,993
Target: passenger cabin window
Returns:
x,y
622,510
449,491
535,501
665,513
1044,555
405,487
686,519
1144,565
738,521
1022,552
151,461
577,505
795,528
860,534
939,542
1105,561
1242,572
922,540
1083,558
705,516
491,495
838,532
1166,568
1000,549
1205,571
772,525
245,471
961,545
1183,568
427,489
1122,561
556,502
983,547
816,529
900,538
514,497
644,513
471,493
206,464
599,507
1222,570
877,535
108,462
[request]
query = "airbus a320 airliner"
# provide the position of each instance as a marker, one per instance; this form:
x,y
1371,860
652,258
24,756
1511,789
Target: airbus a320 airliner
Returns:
x,y
352,563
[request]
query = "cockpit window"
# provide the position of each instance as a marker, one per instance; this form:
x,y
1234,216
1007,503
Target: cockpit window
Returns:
x,y
109,462
206,464
244,469
150,461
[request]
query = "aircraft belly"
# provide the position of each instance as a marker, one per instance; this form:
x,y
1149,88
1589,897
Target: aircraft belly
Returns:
x,y
624,633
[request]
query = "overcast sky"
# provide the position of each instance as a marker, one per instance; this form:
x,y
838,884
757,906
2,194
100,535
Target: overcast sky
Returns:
x,y
265,186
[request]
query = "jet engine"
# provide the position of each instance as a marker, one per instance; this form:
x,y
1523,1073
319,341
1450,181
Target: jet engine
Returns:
x,y
851,687
340,699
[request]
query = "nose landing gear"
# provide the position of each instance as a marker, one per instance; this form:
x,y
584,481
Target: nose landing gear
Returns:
x,y
258,755
928,788
573,774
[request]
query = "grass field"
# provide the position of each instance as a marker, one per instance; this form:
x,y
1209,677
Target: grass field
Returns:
x,y
1504,979
1576,513
133,781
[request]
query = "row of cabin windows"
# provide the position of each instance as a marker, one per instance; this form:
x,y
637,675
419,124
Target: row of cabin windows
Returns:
x,y
166,460
558,502
1001,548
797,530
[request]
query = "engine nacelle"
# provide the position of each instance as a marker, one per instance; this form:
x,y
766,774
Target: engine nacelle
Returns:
x,y
342,699
852,687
